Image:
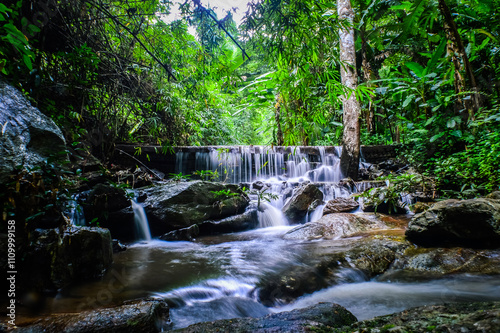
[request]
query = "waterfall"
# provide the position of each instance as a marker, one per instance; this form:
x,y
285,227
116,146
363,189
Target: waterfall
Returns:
x,y
248,164
270,216
141,221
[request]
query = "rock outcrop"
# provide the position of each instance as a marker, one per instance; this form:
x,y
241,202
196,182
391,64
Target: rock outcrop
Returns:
x,y
333,226
179,205
300,320
298,205
138,316
340,205
56,259
27,137
467,223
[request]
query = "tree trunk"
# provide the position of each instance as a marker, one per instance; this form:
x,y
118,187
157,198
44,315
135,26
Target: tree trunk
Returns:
x,y
457,46
277,113
349,161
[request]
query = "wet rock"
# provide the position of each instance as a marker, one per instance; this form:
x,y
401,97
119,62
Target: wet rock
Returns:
x,y
333,226
297,207
111,208
468,223
375,256
495,195
477,317
28,136
258,185
56,259
420,207
327,266
117,246
340,205
179,205
247,220
438,262
322,315
184,234
138,316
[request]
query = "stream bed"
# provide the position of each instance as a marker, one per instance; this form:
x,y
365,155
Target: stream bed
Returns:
x,y
217,278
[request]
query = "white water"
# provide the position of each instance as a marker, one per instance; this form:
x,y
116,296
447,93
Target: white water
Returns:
x,y
270,216
370,299
141,221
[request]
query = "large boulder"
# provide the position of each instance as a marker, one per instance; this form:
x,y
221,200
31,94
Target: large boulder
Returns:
x,y
438,262
324,315
340,205
247,220
111,208
451,317
298,205
56,259
179,205
468,223
138,316
333,226
27,137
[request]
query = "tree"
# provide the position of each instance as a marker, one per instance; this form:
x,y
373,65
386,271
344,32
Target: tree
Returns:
x,y
349,161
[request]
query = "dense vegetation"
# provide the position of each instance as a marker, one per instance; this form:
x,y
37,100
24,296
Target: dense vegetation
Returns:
x,y
110,71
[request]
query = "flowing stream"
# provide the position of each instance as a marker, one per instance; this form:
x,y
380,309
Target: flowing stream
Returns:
x,y
216,277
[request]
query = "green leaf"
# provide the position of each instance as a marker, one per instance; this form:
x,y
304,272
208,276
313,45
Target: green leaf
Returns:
x,y
437,136
457,133
450,123
27,61
416,68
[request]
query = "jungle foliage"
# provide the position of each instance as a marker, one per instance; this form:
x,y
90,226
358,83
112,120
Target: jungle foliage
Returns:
x,y
110,71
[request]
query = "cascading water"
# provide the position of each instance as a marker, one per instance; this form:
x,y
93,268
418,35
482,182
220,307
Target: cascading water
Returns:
x,y
141,221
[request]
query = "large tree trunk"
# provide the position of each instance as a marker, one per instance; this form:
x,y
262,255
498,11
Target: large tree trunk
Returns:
x,y
349,161
277,114
457,47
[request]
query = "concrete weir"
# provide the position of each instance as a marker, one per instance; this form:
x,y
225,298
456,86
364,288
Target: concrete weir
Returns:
x,y
243,163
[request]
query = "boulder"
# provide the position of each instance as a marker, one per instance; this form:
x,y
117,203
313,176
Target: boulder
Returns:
x,y
451,317
184,234
56,259
138,316
247,220
297,206
111,208
333,226
468,223
340,205
179,205
300,320
495,195
439,262
28,136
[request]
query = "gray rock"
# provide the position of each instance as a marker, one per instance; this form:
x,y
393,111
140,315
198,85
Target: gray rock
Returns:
x,y
439,262
57,259
333,226
494,195
340,205
28,136
320,315
452,317
468,223
247,220
184,234
111,208
179,205
297,207
138,316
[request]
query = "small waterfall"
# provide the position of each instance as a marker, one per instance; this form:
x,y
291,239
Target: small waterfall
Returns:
x,y
270,216
141,221
76,215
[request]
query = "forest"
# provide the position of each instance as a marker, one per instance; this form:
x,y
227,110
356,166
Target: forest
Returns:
x,y
426,76
252,168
